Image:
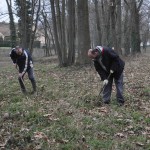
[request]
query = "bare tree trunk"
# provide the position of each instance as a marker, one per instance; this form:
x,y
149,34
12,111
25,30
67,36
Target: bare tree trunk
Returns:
x,y
52,38
105,11
98,22
113,40
134,7
71,32
56,34
83,31
22,24
135,35
118,26
44,23
46,38
126,32
11,24
48,33
28,13
63,31
35,4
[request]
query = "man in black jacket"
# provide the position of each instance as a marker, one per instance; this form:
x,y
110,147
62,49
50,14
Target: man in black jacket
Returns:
x,y
106,63
23,60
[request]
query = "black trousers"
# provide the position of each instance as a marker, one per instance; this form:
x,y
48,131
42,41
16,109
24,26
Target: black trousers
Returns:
x,y
31,78
119,90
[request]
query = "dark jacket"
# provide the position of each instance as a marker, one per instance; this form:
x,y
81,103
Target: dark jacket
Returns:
x,y
23,61
111,61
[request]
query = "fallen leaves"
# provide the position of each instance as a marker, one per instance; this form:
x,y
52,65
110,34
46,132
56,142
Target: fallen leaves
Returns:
x,y
51,117
139,144
121,135
40,135
103,110
64,114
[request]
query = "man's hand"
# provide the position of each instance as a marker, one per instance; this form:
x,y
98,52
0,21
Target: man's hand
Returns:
x,y
15,65
20,75
31,65
105,82
111,71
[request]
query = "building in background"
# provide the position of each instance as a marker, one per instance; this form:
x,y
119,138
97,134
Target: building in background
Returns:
x,y
5,36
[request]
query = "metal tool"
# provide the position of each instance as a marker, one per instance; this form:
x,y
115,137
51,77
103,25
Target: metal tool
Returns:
x,y
99,95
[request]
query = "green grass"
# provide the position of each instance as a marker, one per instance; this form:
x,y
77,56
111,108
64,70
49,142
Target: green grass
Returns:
x,y
62,116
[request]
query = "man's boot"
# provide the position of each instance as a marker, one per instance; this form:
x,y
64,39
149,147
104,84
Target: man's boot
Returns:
x,y
33,82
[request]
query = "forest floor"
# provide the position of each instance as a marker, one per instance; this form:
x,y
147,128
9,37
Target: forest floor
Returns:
x,y
63,116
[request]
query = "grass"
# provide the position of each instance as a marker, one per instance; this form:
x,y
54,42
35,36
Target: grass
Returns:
x,y
62,116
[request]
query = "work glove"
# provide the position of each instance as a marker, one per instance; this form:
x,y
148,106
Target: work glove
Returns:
x,y
31,65
111,71
105,82
20,75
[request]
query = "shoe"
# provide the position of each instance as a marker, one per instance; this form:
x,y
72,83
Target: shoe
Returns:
x,y
24,92
97,103
33,92
120,103
106,102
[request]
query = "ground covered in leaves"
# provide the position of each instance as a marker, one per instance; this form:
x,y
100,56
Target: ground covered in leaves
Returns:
x,y
63,115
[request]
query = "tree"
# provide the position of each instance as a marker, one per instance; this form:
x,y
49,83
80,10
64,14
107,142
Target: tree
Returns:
x,y
71,32
12,24
113,40
47,31
35,10
126,31
145,23
57,44
105,16
28,13
98,22
83,31
61,29
118,26
64,39
134,8
115,24
46,28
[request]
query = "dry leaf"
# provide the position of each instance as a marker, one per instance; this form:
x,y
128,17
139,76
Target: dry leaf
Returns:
x,y
120,135
139,144
103,109
47,115
63,141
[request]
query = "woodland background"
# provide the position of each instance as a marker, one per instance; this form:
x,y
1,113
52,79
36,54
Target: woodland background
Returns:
x,y
71,27
62,115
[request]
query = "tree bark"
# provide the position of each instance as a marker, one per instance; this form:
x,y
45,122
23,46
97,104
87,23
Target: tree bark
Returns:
x,y
12,24
71,32
57,44
83,31
98,23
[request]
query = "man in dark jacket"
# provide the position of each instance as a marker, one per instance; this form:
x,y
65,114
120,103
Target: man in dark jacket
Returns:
x,y
106,63
23,60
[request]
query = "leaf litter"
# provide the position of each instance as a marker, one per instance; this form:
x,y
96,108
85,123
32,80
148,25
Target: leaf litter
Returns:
x,y
62,113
